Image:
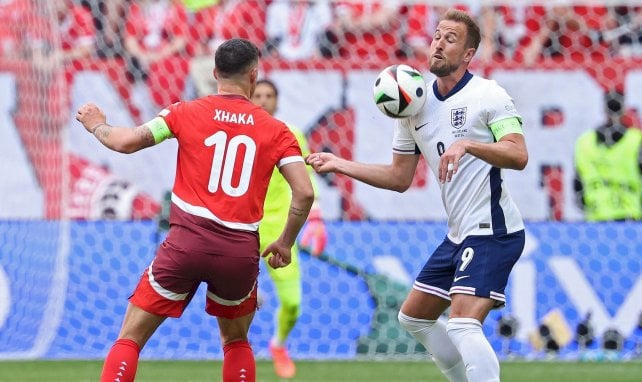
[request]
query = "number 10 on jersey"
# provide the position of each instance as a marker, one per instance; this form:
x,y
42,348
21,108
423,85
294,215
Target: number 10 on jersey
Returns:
x,y
226,159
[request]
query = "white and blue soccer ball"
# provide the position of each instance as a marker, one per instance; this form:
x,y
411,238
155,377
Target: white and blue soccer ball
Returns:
x,y
400,91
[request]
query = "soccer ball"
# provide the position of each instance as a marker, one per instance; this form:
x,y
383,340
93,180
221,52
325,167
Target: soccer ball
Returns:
x,y
400,91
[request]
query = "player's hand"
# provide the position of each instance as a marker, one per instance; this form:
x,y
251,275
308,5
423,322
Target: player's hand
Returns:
x,y
90,116
314,237
322,162
281,255
449,161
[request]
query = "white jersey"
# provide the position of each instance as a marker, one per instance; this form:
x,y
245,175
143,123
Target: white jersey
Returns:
x,y
476,199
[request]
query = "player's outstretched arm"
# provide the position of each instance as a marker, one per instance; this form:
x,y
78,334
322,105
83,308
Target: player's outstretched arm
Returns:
x,y
122,139
396,176
298,178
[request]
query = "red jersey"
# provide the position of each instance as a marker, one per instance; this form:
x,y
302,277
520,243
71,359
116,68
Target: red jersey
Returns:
x,y
228,148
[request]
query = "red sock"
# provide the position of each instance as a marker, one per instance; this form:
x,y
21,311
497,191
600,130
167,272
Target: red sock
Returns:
x,y
121,362
238,362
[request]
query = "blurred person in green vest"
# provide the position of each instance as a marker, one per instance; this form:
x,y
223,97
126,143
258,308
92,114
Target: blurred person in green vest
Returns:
x,y
287,281
608,163
197,5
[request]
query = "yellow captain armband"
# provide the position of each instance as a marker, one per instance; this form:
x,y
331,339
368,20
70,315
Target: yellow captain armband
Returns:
x,y
160,130
506,126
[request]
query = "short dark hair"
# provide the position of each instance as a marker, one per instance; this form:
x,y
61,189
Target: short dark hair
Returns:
x,y
269,83
235,56
473,34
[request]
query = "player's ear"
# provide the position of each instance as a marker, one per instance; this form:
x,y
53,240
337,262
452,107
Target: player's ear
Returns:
x,y
215,73
469,54
254,74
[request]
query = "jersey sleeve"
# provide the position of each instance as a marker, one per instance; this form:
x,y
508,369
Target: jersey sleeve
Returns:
x,y
403,142
501,105
171,116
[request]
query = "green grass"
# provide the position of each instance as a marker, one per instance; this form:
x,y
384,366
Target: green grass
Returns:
x,y
317,371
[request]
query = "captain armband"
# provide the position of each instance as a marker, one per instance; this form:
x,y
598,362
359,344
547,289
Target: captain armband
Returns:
x,y
160,130
511,125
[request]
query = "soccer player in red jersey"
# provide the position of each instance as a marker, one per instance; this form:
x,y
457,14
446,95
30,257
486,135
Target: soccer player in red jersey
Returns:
x,y
228,148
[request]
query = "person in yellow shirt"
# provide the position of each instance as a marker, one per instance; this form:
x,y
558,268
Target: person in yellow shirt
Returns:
x,y
287,280
608,162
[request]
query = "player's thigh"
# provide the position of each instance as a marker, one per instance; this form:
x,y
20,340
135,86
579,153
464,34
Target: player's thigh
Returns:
x,y
436,276
423,305
231,286
467,306
168,284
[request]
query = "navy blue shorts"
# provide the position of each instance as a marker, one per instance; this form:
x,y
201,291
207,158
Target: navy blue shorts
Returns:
x,y
479,266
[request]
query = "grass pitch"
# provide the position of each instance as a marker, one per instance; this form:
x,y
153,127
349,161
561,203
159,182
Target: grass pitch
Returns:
x,y
318,371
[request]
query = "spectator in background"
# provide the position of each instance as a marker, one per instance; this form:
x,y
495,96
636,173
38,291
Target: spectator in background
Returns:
x,y
156,38
422,21
504,28
557,32
608,162
294,28
13,15
216,23
109,18
56,50
622,30
201,15
364,30
287,281
109,21
72,39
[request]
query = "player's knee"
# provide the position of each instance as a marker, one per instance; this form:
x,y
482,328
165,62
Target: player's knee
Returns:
x,y
460,327
413,325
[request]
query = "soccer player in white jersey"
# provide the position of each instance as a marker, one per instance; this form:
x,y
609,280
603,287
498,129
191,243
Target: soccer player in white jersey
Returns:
x,y
468,132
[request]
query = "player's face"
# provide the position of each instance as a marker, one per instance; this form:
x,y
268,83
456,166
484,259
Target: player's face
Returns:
x,y
448,48
265,96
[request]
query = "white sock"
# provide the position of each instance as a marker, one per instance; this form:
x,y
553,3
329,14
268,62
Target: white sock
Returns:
x,y
432,334
481,361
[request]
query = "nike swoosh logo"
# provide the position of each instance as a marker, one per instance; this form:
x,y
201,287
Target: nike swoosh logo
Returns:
x,y
420,126
460,277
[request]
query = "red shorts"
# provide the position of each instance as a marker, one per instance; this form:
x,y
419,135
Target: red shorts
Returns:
x,y
199,250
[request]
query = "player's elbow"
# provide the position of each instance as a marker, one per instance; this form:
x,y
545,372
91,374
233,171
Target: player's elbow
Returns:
x,y
308,197
521,161
401,185
125,148
304,197
126,143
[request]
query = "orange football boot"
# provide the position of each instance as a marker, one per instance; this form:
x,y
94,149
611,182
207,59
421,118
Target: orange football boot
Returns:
x,y
283,365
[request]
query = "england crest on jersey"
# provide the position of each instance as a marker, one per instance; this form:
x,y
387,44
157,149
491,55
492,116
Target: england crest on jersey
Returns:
x,y
458,117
